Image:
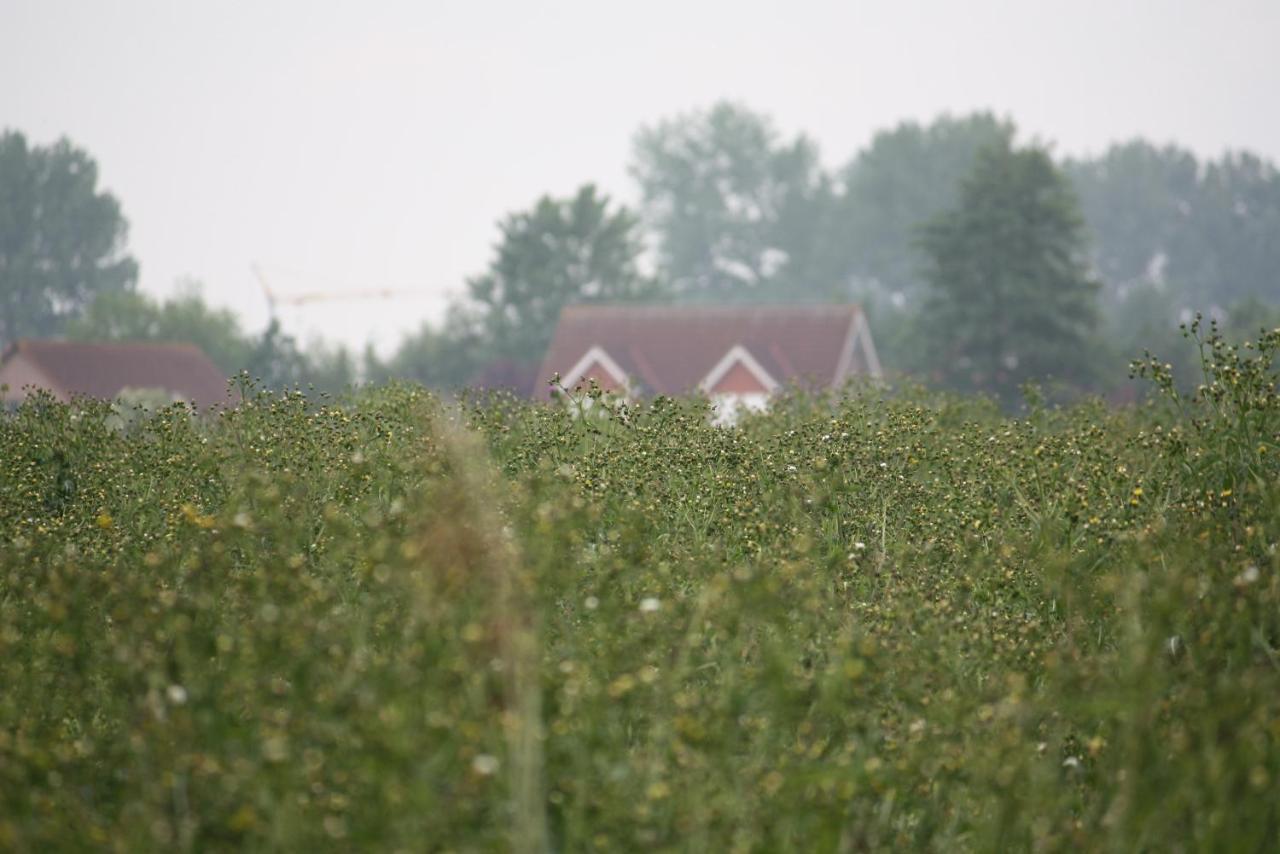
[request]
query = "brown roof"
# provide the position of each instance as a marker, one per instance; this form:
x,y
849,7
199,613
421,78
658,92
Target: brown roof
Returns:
x,y
504,375
104,370
671,349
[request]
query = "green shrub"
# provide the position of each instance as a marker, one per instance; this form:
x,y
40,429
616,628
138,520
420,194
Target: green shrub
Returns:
x,y
871,621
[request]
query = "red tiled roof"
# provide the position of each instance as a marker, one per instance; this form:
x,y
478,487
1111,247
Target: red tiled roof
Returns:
x,y
104,370
671,349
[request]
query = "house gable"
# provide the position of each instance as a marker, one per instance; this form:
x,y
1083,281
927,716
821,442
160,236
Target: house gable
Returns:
x,y
739,380
598,365
21,374
675,350
738,372
104,369
858,348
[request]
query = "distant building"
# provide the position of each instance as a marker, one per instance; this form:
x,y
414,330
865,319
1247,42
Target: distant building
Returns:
x,y
504,375
738,355
67,368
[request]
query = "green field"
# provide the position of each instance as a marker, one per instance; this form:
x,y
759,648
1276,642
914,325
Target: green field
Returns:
x,y
882,621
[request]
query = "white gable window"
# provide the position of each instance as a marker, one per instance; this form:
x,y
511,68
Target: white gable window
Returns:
x,y
736,384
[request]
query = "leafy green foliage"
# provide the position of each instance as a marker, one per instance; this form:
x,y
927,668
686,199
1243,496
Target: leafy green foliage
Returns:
x,y
560,252
907,176
1205,230
855,622
738,213
61,238
1134,198
1011,298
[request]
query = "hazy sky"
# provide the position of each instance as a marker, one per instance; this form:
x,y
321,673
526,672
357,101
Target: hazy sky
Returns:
x,y
375,144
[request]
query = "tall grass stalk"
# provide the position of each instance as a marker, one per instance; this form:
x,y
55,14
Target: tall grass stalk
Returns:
x,y
497,562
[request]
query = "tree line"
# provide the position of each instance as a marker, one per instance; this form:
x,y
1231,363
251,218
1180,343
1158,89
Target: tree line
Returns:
x,y
984,262
65,271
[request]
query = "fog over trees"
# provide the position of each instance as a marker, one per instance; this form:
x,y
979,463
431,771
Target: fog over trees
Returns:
x,y
924,225
735,211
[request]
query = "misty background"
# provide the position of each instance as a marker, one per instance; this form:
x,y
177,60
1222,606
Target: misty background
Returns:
x,y
717,151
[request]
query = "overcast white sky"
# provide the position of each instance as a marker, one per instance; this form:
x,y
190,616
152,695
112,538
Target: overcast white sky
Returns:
x,y
375,144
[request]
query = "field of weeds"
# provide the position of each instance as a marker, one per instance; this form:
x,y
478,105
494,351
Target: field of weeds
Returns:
x,y
878,622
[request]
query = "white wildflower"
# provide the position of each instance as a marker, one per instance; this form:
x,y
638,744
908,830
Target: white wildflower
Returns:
x,y
649,605
485,765
592,603
177,695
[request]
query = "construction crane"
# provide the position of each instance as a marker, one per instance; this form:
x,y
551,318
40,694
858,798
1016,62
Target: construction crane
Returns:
x,y
275,300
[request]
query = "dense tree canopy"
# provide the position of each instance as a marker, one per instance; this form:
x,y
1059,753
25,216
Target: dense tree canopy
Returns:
x,y
561,251
1012,298
907,176
62,239
1209,232
738,212
1234,251
1134,198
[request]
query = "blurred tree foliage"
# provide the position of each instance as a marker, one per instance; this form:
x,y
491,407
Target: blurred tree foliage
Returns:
x,y
908,175
1135,198
1206,232
62,239
737,212
1012,298
444,355
560,251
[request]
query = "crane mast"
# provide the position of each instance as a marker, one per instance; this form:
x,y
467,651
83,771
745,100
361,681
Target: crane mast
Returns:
x,y
275,299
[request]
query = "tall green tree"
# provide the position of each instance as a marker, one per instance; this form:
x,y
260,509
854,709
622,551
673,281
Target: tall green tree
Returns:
x,y
579,249
907,175
1012,298
738,212
62,239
